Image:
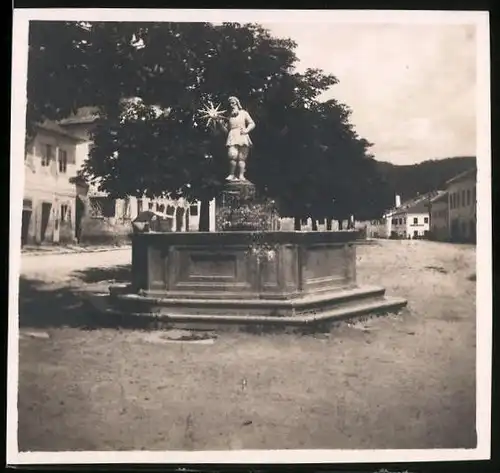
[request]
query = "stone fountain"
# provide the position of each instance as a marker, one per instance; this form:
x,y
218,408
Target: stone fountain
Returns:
x,y
246,273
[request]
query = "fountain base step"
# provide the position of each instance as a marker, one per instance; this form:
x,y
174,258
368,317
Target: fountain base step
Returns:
x,y
316,310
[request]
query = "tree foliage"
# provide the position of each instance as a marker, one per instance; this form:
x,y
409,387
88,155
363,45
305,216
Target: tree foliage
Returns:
x,y
307,155
57,77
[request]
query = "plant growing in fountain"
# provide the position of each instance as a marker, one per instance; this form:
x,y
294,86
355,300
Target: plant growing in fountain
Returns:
x,y
261,249
256,216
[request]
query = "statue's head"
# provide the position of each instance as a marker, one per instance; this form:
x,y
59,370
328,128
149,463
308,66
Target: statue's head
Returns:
x,y
234,102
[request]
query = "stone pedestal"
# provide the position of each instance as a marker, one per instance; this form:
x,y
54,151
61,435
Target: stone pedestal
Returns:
x,y
240,208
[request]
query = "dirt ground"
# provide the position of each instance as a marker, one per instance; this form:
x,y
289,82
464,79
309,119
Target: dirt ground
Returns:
x,y
400,381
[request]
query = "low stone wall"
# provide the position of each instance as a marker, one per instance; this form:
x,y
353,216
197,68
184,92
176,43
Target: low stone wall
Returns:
x,y
102,231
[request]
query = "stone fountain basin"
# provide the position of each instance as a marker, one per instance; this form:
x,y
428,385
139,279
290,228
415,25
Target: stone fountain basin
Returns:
x,y
247,277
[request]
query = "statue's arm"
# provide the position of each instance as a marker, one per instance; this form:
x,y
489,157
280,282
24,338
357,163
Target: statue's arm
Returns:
x,y
223,125
250,124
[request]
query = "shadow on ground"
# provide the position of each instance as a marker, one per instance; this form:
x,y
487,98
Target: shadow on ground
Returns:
x,y
43,305
121,273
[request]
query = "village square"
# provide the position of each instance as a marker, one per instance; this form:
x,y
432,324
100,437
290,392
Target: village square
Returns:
x,y
213,257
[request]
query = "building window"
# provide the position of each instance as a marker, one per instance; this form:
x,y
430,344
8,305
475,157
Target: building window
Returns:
x,y
48,155
193,210
170,210
64,213
139,205
426,219
63,161
109,208
415,220
150,205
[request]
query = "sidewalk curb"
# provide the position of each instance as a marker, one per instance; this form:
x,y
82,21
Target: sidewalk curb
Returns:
x,y
72,252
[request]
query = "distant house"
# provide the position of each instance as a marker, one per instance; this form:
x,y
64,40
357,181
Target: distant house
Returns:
x,y
411,221
440,230
49,202
462,206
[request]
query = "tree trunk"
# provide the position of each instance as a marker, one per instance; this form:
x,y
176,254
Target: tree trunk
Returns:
x,y
204,223
329,224
314,224
297,226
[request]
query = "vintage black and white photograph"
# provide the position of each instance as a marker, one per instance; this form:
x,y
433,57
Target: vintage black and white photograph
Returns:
x,y
249,232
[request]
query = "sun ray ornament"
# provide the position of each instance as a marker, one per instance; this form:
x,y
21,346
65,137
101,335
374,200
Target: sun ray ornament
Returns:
x,y
211,113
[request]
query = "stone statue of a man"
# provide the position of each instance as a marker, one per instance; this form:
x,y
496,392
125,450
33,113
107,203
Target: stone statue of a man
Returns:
x,y
237,126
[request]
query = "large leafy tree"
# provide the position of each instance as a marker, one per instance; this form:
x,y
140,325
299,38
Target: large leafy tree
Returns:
x,y
306,155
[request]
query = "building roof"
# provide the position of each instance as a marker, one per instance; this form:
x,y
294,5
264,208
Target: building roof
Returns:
x,y
419,204
470,173
83,115
55,128
441,197
421,207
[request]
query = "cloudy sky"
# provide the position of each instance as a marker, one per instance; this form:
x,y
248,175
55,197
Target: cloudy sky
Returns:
x,y
411,87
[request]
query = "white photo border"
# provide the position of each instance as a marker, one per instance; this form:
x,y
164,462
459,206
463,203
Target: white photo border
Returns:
x,y
480,19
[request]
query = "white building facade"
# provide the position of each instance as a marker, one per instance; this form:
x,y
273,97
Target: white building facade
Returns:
x,y
412,222
48,214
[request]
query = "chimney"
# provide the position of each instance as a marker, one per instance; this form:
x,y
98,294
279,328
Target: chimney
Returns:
x,y
398,201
